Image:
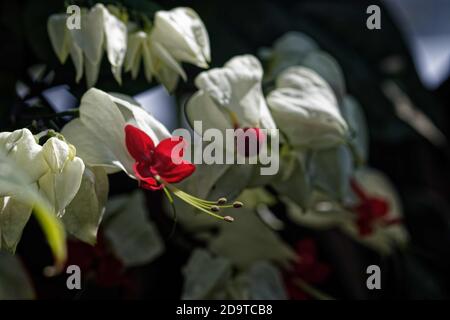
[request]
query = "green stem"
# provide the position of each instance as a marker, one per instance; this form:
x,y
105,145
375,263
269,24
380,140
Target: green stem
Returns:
x,y
313,292
174,210
70,112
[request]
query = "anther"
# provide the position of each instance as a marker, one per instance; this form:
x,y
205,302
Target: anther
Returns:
x,y
237,204
222,201
215,209
228,219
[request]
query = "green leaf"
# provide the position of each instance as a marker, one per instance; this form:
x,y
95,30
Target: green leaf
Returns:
x,y
331,170
265,282
329,69
204,274
261,243
133,236
14,281
297,183
354,115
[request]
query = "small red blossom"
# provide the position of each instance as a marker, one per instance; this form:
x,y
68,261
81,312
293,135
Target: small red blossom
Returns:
x,y
154,162
106,269
371,210
307,267
252,137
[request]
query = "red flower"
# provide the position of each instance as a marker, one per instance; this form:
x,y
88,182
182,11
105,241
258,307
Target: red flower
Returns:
x,y
308,268
371,210
252,137
98,260
155,163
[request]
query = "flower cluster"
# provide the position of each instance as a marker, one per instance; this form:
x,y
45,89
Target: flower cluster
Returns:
x,y
99,29
299,104
175,36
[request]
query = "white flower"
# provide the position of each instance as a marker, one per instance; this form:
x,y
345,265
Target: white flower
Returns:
x,y
51,170
99,135
61,182
305,109
177,36
99,29
15,211
231,97
21,147
182,33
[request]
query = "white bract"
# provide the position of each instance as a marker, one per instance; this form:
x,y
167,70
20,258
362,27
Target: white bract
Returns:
x,y
99,132
298,49
53,170
177,36
99,29
306,111
231,97
62,180
14,181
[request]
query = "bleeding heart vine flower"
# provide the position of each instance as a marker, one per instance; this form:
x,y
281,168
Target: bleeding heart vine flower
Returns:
x,y
176,36
101,140
307,270
231,97
158,167
99,136
371,211
155,165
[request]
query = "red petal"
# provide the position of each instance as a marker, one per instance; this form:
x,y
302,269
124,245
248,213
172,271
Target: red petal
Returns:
x,y
306,246
379,207
166,146
150,184
139,144
178,173
145,177
168,161
248,139
365,228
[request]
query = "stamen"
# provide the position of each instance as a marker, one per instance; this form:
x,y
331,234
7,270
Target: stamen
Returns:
x,y
205,206
234,119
